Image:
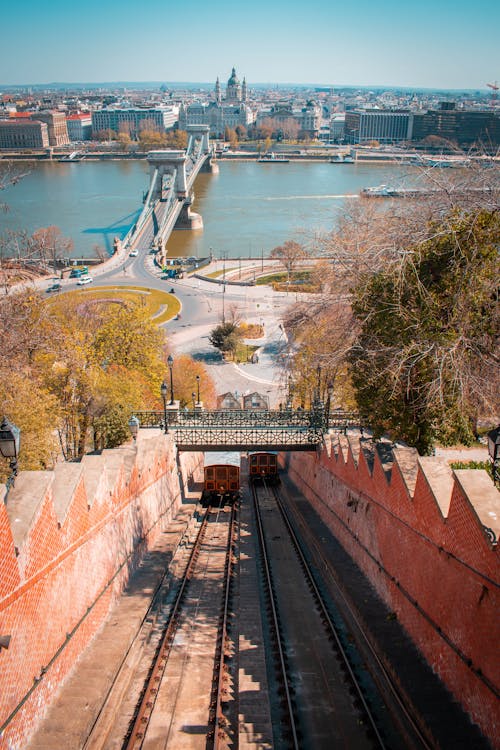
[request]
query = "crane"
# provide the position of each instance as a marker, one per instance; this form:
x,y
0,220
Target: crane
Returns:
x,y
494,88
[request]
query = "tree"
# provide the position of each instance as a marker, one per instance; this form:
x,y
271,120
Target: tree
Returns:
x,y
105,135
151,139
241,132
177,139
124,140
50,244
289,254
225,337
426,361
10,174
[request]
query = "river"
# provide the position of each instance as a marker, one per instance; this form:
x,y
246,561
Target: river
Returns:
x,y
247,209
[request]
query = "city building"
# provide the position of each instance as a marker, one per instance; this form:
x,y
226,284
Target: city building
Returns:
x,y
337,125
465,128
220,113
306,120
79,126
133,119
23,133
56,126
384,126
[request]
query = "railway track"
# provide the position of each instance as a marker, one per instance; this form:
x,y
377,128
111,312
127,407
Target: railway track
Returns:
x,y
177,682
409,725
328,698
235,657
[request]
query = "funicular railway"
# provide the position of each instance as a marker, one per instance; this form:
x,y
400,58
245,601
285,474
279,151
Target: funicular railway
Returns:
x,y
250,641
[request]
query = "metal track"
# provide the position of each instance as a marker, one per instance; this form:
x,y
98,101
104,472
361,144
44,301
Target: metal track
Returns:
x,y
148,698
291,719
217,723
388,681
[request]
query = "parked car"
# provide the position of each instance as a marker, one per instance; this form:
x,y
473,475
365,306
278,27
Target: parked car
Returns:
x,y
134,253
84,280
54,287
77,272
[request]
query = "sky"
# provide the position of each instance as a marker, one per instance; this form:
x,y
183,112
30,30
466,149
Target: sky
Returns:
x,y
446,44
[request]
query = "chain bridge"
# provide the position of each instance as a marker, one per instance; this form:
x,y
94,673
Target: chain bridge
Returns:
x,y
244,430
170,194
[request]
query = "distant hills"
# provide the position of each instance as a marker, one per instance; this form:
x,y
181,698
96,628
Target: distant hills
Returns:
x,y
144,85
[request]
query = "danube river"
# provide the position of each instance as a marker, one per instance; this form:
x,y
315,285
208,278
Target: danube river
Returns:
x,y
247,209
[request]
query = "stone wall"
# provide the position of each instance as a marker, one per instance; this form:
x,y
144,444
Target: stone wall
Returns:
x,y
69,541
416,529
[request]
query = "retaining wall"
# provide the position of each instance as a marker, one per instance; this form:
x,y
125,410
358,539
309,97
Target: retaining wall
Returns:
x,y
69,541
416,529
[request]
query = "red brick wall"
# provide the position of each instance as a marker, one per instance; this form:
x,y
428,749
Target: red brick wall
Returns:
x,y
436,570
64,562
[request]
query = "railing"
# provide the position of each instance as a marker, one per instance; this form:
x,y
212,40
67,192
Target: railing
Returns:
x,y
249,419
227,437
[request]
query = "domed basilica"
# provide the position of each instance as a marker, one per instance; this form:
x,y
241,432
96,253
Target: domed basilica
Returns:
x,y
221,113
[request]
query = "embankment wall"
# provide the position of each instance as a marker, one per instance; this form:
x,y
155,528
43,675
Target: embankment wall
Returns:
x,y
416,529
69,541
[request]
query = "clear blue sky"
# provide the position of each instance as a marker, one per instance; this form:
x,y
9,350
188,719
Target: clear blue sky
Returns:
x,y
425,43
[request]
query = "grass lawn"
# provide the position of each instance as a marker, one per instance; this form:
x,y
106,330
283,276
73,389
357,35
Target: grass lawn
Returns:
x,y
300,281
160,305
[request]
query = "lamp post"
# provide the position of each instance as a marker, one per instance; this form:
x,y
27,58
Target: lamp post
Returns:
x,y
329,388
170,363
163,391
10,436
494,451
193,396
133,425
198,389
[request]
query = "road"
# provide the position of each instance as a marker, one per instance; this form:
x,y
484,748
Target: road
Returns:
x,y
202,306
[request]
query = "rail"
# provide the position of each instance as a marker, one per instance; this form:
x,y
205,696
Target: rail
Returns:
x,y
276,625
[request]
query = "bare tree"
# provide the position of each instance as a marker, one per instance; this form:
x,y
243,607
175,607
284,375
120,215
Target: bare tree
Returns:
x,y
51,245
289,254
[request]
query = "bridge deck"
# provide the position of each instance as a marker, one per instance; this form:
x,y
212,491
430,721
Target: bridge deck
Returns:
x,y
287,429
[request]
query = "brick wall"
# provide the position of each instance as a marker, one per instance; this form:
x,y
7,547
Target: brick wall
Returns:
x,y
416,529
69,540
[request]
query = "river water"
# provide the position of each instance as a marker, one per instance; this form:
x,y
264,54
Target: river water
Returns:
x,y
247,209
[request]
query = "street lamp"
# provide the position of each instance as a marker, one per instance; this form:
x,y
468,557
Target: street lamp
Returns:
x,y
198,388
193,396
163,391
170,363
329,390
10,436
133,425
494,451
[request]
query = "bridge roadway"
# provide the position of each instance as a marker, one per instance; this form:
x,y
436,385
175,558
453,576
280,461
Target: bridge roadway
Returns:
x,y
169,197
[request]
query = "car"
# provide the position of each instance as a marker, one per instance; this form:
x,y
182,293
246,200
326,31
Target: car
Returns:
x,y
77,272
134,253
54,287
84,280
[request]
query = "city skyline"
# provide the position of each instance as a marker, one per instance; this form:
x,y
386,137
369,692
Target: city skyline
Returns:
x,y
445,46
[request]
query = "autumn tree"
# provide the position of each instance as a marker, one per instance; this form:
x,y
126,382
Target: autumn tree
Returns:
x,y
241,132
387,319
105,135
51,245
426,361
289,254
176,139
184,373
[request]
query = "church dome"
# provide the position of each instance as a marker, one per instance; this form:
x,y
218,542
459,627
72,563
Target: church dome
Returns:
x,y
234,80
